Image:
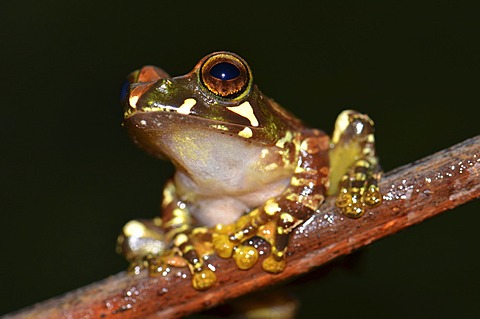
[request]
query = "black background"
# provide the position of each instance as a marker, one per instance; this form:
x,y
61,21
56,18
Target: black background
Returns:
x,y
70,177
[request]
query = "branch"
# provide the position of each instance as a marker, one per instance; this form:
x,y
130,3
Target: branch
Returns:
x,y
412,193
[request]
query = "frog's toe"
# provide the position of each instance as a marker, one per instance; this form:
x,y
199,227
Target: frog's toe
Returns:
x,y
272,265
245,257
344,198
222,245
373,197
135,267
203,279
156,266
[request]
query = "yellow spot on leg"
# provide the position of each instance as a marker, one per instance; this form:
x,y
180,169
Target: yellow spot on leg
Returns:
x,y
287,217
271,207
343,120
168,194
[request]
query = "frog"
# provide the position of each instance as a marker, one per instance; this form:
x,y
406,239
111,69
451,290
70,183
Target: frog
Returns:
x,y
245,168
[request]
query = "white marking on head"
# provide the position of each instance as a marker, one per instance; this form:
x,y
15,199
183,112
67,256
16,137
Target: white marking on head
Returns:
x,y
245,110
246,133
133,101
186,106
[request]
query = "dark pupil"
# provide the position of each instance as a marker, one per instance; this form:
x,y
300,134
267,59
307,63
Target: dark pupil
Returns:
x,y
224,71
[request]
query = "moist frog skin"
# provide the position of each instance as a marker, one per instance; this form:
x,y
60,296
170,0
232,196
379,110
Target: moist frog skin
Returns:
x,y
245,167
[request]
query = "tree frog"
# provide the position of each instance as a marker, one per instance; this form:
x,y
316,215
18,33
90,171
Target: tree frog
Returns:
x,y
245,167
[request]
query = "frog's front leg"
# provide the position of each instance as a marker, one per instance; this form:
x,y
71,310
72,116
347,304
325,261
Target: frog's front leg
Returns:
x,y
278,216
355,170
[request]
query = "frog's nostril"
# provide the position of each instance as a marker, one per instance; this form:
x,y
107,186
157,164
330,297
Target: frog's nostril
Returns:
x,y
225,71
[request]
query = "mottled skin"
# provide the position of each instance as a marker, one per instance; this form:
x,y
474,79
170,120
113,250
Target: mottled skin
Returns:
x,y
245,167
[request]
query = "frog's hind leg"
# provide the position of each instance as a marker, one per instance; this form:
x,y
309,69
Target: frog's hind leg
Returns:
x,y
188,242
146,243
355,170
168,241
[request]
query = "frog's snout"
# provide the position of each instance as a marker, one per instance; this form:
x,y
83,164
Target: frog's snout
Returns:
x,y
138,82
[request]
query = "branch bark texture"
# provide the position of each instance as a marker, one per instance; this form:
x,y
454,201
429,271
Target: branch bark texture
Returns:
x,y
411,194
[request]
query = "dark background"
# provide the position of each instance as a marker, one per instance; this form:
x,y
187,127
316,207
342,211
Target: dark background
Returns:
x,y
70,177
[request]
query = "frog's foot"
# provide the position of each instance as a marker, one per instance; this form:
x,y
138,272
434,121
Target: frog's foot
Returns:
x,y
202,277
226,246
228,240
275,263
194,247
144,244
359,190
246,256
265,222
354,166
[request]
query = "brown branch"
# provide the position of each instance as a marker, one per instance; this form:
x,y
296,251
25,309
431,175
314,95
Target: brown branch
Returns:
x,y
412,193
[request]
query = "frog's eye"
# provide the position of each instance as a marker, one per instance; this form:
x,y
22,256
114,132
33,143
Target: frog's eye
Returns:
x,y
225,75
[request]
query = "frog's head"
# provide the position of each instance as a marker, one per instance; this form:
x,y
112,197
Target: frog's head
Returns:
x,y
216,98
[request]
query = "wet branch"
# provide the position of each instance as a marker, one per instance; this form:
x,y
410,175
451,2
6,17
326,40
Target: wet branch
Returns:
x,y
412,193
